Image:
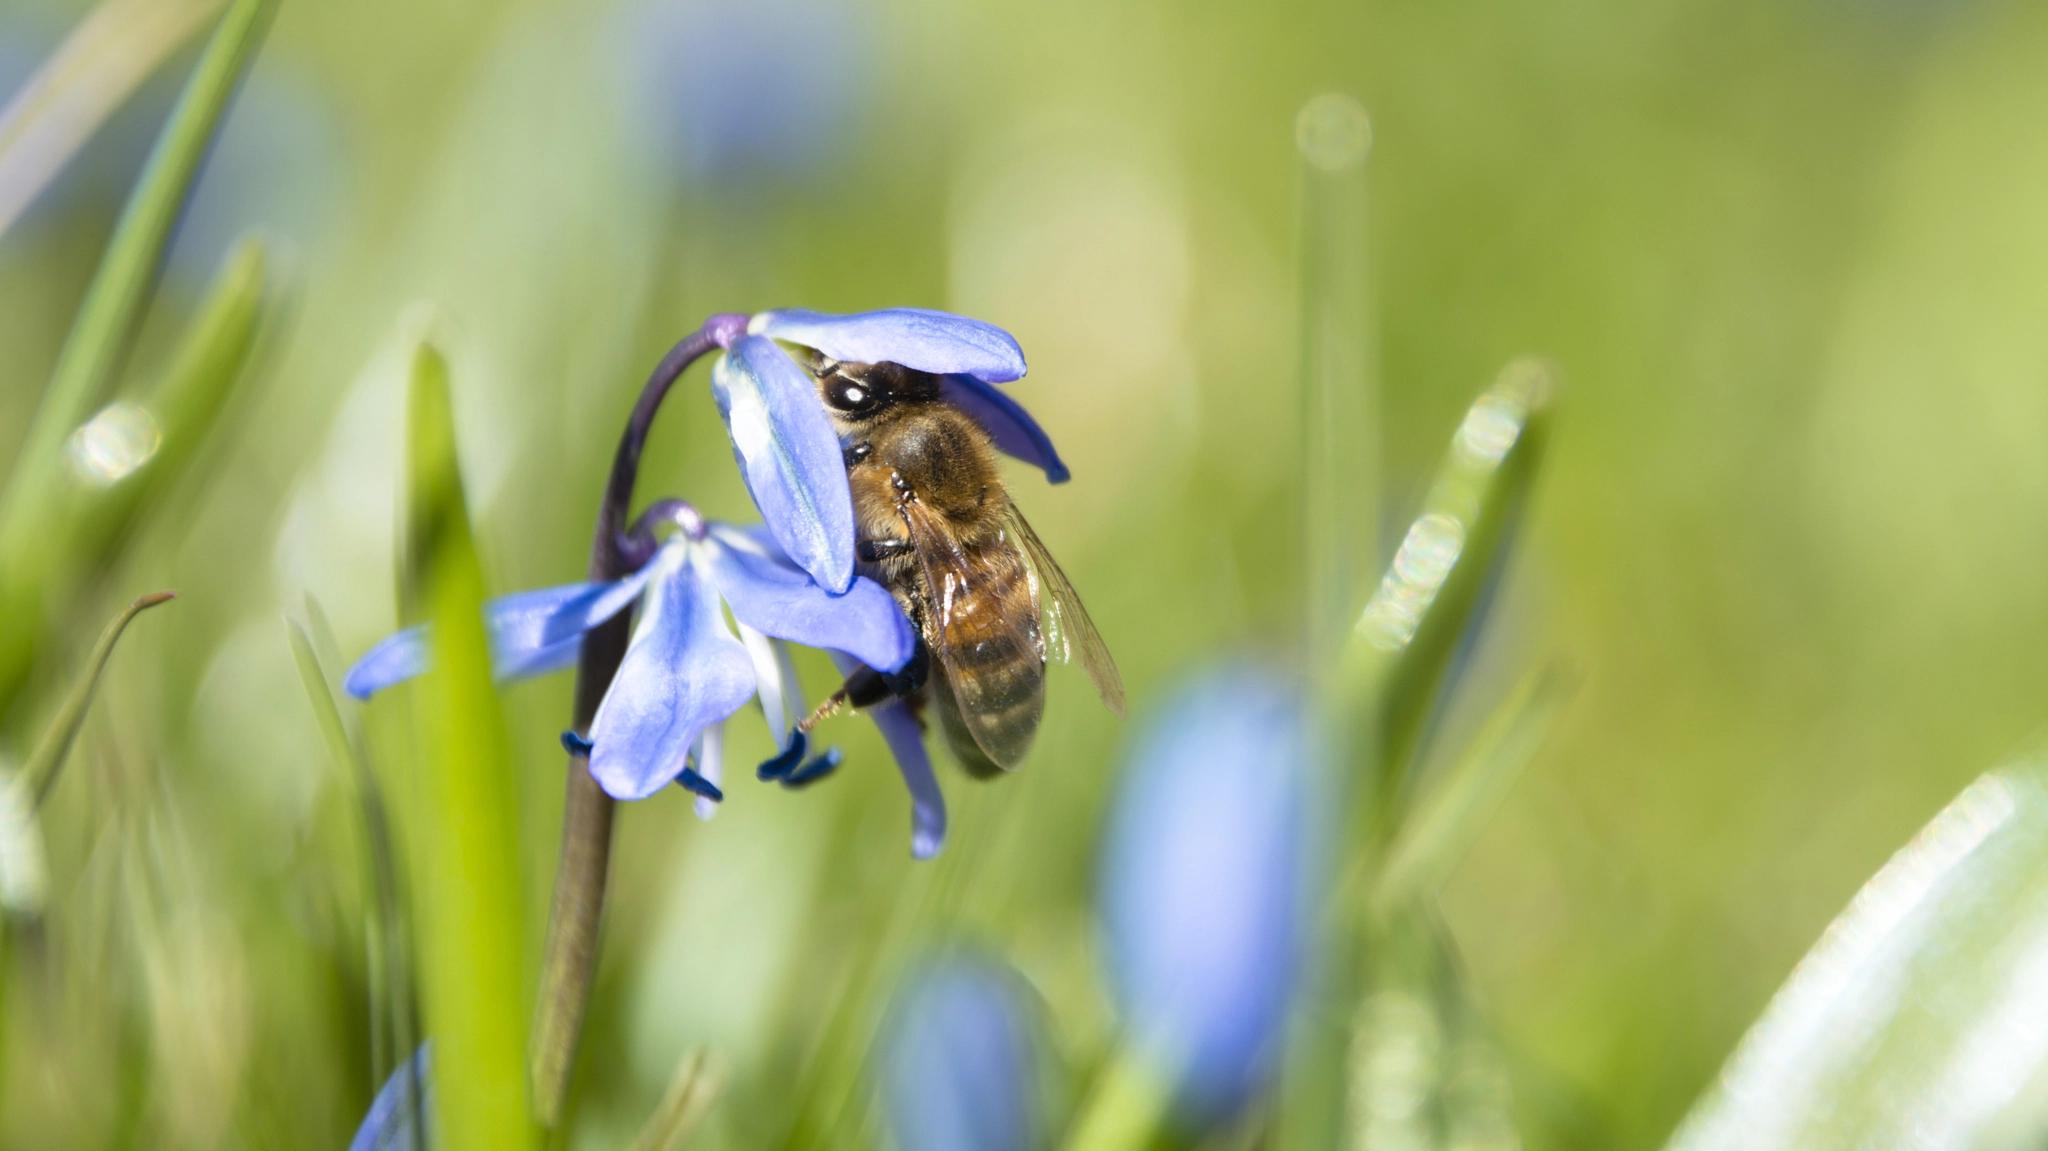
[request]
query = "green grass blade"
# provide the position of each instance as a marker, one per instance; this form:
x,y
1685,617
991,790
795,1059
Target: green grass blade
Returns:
x,y
47,761
471,930
1339,433
1125,1110
689,1097
1448,816
1389,675
99,65
1401,645
31,505
1916,1020
176,415
383,932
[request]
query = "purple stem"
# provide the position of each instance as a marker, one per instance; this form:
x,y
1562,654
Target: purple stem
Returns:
x,y
570,960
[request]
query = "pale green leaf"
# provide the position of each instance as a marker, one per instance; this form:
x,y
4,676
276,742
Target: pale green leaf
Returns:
x,y
1920,1018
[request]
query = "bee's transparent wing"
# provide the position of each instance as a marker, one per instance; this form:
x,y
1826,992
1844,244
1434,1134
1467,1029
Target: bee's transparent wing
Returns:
x,y
1064,622
983,626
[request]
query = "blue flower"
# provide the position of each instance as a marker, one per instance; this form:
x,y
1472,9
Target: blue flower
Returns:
x,y
1202,890
959,1060
684,671
788,452
662,718
402,1112
736,93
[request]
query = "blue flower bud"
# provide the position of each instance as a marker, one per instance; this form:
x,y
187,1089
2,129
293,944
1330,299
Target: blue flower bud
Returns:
x,y
1203,886
959,1061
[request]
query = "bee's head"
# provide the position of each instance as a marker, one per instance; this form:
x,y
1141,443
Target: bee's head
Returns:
x,y
858,393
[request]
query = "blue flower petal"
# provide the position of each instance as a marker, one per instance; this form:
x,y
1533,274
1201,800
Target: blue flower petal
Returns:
x,y
789,456
937,342
960,1059
927,803
906,743
774,597
1007,423
402,1112
535,632
683,672
780,695
395,659
532,633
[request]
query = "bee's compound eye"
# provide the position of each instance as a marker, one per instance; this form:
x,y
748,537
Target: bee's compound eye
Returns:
x,y
849,395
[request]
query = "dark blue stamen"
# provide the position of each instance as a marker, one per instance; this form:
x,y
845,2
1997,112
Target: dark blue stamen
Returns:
x,y
576,745
813,771
690,781
786,760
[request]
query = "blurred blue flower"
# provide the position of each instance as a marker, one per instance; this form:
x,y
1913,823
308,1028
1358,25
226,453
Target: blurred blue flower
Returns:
x,y
732,91
684,672
402,1112
959,1060
1202,888
790,455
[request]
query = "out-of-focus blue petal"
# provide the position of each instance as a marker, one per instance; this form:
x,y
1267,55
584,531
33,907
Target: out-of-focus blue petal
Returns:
x,y
402,1112
1007,423
395,659
789,456
937,342
535,632
958,1066
775,597
1202,894
906,744
683,671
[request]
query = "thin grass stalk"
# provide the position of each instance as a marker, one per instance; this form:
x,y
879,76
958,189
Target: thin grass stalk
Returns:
x,y
1340,503
383,933
1339,424
46,763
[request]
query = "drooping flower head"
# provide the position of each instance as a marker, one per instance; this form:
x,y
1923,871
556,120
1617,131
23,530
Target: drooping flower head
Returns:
x,y
791,579
959,1059
1203,886
788,452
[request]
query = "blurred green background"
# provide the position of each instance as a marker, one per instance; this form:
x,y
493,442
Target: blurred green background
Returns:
x,y
1791,257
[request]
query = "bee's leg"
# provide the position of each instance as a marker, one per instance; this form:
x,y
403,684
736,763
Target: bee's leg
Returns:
x,y
867,687
861,689
875,551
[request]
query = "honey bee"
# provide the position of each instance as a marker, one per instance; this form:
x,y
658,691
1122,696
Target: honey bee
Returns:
x,y
934,524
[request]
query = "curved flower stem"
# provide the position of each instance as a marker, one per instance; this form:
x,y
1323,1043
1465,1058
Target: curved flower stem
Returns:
x,y
570,960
